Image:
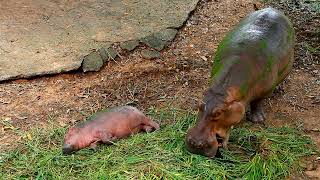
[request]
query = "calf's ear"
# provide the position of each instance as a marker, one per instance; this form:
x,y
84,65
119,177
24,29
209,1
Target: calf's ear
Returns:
x,y
73,130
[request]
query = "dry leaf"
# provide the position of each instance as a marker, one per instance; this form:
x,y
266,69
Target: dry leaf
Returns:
x,y
62,124
204,58
7,119
9,127
29,136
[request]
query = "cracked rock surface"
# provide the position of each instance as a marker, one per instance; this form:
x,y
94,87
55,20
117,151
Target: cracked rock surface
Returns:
x,y
46,37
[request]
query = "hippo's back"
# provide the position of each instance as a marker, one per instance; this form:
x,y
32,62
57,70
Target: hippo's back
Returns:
x,y
113,117
267,31
257,54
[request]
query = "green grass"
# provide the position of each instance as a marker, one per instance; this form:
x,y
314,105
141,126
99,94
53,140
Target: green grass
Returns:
x,y
267,153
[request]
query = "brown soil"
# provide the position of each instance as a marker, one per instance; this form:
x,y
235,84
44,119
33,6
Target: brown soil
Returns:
x,y
178,78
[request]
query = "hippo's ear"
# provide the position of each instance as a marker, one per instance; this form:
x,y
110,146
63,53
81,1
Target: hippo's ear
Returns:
x,y
235,112
73,130
218,113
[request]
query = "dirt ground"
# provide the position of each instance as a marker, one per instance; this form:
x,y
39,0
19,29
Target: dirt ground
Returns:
x,y
177,78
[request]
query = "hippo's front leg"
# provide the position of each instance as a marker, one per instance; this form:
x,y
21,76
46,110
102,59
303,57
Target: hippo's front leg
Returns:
x,y
94,145
105,137
257,112
225,142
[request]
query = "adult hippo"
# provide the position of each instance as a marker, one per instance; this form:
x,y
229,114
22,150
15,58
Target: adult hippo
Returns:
x,y
250,62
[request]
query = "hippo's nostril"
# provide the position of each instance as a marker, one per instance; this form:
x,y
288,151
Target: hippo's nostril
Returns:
x,y
67,149
199,144
193,144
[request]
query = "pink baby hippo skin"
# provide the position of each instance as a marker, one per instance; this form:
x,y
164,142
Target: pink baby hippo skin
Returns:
x,y
107,127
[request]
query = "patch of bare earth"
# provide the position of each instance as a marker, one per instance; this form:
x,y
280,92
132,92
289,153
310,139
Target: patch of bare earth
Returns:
x,y
177,78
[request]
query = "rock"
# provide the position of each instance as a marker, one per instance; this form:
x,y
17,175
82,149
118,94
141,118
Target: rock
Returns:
x,y
150,54
129,45
92,62
89,25
166,35
160,39
154,42
111,53
104,54
107,53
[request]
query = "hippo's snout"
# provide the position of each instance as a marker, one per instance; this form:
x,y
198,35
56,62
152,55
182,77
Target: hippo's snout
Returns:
x,y
201,143
202,148
67,149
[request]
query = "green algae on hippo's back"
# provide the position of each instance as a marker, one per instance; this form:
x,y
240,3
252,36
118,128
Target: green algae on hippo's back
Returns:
x,y
250,62
239,39
217,65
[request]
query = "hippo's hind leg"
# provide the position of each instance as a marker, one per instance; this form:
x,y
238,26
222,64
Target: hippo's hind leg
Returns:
x,y
257,114
149,126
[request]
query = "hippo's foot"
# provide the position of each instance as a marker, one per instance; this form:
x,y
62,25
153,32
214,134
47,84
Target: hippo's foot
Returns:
x,y
257,112
149,128
94,145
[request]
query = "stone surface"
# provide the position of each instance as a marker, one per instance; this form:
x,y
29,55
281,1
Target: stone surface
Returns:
x,y
160,39
129,45
52,36
166,34
104,55
112,54
154,42
92,62
107,53
150,54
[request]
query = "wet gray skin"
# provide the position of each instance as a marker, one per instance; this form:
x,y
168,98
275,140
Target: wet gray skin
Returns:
x,y
250,62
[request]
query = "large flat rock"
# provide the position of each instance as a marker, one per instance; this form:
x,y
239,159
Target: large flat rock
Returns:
x,y
50,36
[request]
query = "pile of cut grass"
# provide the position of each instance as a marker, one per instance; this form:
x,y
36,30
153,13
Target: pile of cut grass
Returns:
x,y
267,153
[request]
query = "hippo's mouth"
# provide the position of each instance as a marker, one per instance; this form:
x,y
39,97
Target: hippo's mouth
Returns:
x,y
220,141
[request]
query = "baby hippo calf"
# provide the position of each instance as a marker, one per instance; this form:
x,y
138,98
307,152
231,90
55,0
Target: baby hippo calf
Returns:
x,y
109,126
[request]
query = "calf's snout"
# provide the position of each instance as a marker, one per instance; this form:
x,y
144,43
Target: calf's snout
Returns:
x,y
67,149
